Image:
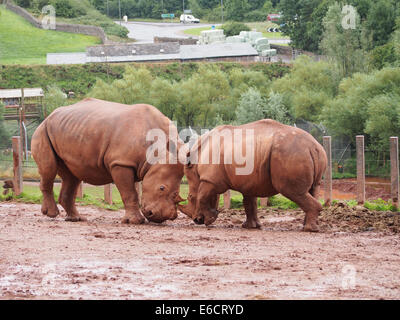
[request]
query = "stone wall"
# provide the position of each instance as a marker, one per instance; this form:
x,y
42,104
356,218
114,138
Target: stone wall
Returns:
x,y
284,50
181,41
64,27
119,50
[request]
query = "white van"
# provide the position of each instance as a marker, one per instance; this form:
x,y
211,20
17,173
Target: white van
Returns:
x,y
188,18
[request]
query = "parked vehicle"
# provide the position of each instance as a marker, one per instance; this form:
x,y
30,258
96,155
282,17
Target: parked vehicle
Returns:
x,y
274,17
188,18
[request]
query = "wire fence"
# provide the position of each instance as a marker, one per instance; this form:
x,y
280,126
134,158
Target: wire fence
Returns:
x,y
29,167
344,164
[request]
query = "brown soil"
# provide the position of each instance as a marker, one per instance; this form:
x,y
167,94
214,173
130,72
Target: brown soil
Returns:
x,y
374,189
102,259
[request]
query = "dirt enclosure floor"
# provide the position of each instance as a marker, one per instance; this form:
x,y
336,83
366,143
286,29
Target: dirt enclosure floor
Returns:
x,y
355,256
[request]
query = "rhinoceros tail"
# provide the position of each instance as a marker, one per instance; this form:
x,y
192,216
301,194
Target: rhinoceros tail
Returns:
x,y
319,159
43,151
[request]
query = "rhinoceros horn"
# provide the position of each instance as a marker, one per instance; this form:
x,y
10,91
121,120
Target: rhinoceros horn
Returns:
x,y
185,209
178,199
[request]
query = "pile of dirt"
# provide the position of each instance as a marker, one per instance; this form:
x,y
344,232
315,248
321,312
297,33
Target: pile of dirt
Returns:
x,y
341,217
337,218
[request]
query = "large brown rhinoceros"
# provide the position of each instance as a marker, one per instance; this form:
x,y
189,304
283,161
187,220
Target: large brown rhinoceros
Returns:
x,y
100,142
278,159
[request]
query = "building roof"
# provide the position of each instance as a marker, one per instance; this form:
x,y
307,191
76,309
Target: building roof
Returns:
x,y
217,50
16,93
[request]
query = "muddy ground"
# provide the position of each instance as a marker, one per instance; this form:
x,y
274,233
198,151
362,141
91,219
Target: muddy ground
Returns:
x,y
355,256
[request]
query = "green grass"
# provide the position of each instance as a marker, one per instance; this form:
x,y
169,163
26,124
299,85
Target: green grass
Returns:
x,y
94,196
197,31
21,43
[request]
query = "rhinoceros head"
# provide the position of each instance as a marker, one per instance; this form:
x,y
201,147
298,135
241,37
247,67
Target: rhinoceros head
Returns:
x,y
201,213
160,194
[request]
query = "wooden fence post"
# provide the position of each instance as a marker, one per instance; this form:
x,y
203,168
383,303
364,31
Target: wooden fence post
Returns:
x,y
108,193
227,199
17,161
394,161
138,186
360,170
327,141
264,202
79,194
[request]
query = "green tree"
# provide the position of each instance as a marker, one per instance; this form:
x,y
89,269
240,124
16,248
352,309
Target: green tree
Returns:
x,y
251,107
236,9
53,99
275,109
307,88
383,119
381,21
340,44
132,89
164,95
366,103
302,21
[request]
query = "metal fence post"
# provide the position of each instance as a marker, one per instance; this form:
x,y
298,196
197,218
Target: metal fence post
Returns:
x,y
17,165
360,170
327,141
108,193
394,164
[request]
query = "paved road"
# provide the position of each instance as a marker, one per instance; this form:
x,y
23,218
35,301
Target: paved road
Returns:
x,y
144,32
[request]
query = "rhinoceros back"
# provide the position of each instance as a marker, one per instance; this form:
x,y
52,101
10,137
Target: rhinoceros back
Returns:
x,y
93,135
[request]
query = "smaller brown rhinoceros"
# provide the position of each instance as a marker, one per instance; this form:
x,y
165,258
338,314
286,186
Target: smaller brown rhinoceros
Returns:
x,y
279,159
101,142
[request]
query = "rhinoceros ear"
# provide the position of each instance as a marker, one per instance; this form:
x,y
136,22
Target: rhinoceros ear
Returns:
x,y
188,160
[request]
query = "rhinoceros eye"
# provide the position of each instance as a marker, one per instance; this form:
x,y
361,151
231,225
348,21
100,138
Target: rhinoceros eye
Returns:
x,y
162,188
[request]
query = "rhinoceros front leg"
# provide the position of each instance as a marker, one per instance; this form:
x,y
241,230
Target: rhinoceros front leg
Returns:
x,y
124,179
250,206
206,204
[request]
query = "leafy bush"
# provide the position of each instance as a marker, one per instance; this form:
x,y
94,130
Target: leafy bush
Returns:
x,y
308,88
251,107
256,15
53,98
234,28
23,3
383,56
66,10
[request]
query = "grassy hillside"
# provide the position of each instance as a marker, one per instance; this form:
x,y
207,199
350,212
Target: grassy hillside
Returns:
x,y
78,12
21,43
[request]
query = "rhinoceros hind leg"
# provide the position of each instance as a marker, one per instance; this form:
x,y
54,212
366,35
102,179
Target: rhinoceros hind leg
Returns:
x,y
311,207
47,165
69,189
124,179
250,206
